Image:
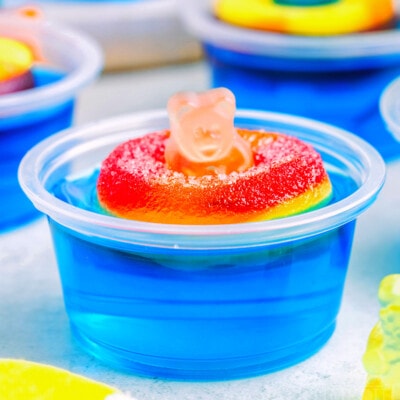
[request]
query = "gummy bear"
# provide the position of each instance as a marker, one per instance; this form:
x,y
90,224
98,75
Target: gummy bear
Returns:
x,y
203,137
382,356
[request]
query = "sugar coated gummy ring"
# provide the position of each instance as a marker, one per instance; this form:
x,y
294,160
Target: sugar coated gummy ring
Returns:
x,y
182,175
323,18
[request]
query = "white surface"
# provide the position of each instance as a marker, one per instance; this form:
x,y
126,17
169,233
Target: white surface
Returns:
x,y
34,326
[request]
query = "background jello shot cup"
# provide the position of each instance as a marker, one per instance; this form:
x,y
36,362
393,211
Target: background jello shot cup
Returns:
x,y
390,108
132,33
199,302
65,62
336,79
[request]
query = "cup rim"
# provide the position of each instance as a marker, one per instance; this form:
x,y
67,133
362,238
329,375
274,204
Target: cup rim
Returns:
x,y
64,89
389,105
199,20
32,180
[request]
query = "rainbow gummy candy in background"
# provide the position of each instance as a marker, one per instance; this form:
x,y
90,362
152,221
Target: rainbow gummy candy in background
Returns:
x,y
16,60
323,18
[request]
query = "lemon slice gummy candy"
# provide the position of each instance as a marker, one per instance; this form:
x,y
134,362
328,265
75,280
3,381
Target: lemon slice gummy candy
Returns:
x,y
26,380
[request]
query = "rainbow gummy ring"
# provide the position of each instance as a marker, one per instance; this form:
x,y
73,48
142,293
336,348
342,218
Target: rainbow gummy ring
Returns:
x,y
287,178
333,18
205,171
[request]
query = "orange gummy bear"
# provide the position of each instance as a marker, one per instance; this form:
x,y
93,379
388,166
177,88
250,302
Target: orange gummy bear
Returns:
x,y
203,138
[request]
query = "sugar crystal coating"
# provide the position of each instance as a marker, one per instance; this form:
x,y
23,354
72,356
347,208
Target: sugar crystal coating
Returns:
x,y
288,177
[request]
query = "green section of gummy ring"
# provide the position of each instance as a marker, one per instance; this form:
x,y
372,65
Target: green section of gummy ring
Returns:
x,y
304,2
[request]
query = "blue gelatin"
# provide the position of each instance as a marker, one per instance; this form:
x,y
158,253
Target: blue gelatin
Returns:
x,y
17,135
200,314
344,92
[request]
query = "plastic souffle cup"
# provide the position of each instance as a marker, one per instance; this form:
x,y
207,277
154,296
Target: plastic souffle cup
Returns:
x,y
199,302
70,62
337,80
390,108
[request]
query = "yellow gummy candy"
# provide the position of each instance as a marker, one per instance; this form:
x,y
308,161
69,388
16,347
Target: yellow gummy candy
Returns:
x,y
25,380
382,356
16,58
339,17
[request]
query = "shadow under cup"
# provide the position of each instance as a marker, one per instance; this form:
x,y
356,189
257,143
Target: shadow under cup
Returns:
x,y
69,62
337,79
201,302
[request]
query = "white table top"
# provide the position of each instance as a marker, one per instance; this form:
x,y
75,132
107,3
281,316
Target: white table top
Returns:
x,y
34,325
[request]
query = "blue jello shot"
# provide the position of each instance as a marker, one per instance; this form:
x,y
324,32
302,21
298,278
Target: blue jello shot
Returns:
x,y
335,79
199,302
68,63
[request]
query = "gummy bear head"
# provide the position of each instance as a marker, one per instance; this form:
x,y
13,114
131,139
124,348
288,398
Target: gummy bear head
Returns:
x,y
389,290
202,124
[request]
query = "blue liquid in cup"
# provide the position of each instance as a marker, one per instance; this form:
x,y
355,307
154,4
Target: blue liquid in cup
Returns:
x,y
198,314
17,135
343,92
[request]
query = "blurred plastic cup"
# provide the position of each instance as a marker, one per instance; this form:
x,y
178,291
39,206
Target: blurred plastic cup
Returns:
x,y
69,62
390,108
337,79
200,302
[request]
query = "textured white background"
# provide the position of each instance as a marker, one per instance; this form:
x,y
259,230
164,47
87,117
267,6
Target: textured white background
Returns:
x,y
34,326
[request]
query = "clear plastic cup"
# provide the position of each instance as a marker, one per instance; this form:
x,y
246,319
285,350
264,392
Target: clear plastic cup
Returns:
x,y
199,302
336,79
70,62
390,108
